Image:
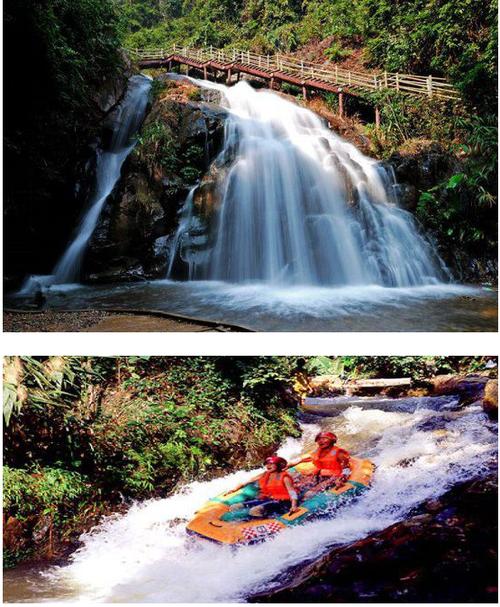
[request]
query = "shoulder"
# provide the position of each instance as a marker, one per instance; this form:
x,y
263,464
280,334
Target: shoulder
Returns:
x,y
343,452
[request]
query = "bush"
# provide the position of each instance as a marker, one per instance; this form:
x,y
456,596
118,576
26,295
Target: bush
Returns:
x,y
53,491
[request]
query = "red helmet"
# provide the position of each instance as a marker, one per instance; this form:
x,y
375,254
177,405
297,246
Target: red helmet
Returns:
x,y
330,435
279,461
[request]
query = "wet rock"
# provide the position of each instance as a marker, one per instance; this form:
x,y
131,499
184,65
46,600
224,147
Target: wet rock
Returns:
x,y
490,399
180,140
469,388
326,385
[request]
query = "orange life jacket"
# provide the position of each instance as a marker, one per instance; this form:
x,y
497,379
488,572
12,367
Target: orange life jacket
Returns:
x,y
327,461
273,485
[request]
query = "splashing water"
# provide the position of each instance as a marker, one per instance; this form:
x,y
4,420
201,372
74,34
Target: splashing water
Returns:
x,y
300,206
145,555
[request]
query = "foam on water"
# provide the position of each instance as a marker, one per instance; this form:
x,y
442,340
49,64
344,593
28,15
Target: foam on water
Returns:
x,y
298,205
145,555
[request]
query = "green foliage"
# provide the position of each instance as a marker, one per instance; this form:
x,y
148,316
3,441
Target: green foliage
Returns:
x,y
462,208
441,38
162,421
51,491
335,52
417,367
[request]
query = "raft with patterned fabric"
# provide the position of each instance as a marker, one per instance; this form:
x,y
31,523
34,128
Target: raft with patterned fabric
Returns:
x,y
226,520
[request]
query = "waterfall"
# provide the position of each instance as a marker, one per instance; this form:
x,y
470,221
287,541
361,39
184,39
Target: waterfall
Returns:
x,y
298,205
127,121
109,164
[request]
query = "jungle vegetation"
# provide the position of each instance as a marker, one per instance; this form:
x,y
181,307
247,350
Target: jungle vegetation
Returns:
x,y
73,50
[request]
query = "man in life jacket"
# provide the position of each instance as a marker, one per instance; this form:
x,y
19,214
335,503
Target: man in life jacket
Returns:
x,y
277,494
331,463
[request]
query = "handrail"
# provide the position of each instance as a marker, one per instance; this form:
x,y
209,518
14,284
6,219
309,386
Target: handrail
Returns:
x,y
429,86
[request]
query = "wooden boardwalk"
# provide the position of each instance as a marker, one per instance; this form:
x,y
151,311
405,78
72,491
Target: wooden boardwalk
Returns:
x,y
281,68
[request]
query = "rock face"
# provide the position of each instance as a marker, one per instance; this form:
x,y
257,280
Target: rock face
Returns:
x,y
421,170
420,167
469,388
445,552
178,141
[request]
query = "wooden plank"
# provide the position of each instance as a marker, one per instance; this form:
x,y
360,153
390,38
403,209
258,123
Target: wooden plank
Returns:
x,y
381,383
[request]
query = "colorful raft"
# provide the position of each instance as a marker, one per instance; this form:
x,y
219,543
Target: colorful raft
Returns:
x,y
220,521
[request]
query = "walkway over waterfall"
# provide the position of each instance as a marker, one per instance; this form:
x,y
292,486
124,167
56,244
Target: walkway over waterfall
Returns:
x,y
282,68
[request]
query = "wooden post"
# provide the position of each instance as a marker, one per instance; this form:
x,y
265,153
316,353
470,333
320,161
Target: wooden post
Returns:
x,y
336,74
271,86
397,82
377,117
304,91
169,66
228,79
385,79
187,69
341,105
238,76
205,76
429,86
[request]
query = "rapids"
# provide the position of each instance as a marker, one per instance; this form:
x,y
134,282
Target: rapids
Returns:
x,y
421,449
300,206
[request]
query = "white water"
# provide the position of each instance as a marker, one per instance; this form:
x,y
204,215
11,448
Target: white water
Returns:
x,y
145,555
300,206
128,119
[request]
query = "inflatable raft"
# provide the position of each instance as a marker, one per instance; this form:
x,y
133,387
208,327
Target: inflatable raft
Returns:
x,y
223,520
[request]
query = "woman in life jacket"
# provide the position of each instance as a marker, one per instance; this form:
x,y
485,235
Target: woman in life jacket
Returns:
x,y
332,464
277,494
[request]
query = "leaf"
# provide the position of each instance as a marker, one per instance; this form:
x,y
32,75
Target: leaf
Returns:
x,y
455,181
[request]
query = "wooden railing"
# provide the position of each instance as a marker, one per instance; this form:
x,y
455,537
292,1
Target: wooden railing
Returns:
x,y
430,86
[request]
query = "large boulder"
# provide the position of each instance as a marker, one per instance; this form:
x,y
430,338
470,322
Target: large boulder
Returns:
x,y
469,388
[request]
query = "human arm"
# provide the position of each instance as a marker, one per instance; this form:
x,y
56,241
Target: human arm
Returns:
x,y
345,462
292,493
306,458
241,485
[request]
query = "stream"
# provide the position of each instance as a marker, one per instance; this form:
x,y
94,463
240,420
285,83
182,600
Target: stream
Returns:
x,y
422,447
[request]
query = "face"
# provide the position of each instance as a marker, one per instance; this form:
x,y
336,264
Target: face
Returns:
x,y
325,442
271,467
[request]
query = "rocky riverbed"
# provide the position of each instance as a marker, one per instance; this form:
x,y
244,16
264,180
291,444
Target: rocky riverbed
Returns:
x,y
446,551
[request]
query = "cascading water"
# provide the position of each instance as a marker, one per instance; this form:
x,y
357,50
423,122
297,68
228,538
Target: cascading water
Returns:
x,y
421,446
300,206
128,119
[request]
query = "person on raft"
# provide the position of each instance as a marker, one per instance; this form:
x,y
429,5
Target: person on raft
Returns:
x,y
332,465
277,494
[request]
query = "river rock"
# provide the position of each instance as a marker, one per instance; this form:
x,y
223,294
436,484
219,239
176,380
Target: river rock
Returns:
x,y
469,388
490,399
325,385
